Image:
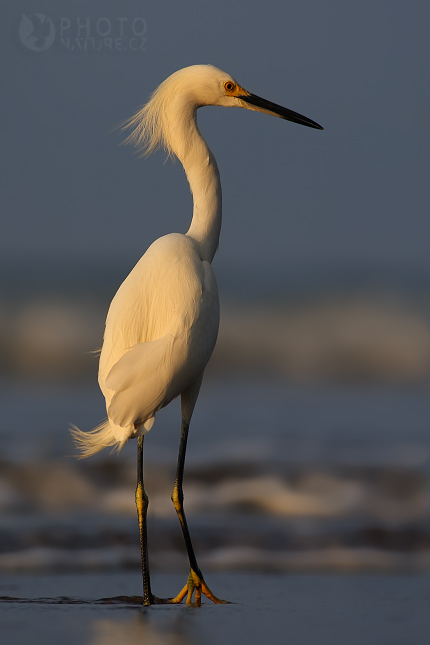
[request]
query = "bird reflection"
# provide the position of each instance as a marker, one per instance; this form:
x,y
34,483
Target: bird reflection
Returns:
x,y
162,629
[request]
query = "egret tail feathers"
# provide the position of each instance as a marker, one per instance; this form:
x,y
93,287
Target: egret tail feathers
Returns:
x,y
88,443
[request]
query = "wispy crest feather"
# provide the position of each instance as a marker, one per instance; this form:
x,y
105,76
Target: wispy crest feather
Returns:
x,y
156,124
148,125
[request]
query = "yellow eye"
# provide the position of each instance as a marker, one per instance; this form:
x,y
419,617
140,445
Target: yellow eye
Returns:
x,y
229,86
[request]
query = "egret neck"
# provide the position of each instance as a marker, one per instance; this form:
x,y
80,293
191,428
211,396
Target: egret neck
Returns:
x,y
203,176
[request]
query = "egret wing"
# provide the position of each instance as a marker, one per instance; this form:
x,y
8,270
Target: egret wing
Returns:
x,y
140,381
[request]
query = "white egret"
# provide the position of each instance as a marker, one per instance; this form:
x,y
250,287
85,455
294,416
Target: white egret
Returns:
x,y
162,324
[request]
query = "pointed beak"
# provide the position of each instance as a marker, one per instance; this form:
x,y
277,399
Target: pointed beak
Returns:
x,y
253,102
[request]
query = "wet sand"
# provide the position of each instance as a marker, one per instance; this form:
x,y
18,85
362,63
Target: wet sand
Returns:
x,y
302,609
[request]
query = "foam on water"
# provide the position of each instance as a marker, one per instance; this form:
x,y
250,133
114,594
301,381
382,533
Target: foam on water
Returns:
x,y
278,477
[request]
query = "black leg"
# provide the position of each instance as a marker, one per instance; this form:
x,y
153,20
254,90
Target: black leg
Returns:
x,y
142,508
178,499
195,584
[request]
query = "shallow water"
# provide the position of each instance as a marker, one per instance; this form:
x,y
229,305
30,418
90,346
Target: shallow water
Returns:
x,y
236,418
305,609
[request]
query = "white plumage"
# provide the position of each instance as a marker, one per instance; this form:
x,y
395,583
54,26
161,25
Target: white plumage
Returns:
x,y
160,333
163,322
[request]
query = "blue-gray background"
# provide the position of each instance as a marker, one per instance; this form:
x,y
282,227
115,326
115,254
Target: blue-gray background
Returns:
x,y
317,394
352,199
309,448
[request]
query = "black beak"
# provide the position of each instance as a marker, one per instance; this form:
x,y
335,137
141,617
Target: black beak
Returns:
x,y
277,110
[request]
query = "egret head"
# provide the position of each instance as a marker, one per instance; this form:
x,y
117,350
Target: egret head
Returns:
x,y
231,94
179,96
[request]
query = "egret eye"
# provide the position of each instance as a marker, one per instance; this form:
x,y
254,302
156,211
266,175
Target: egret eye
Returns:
x,y
229,86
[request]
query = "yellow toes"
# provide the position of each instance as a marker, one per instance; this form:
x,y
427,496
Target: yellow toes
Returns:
x,y
196,586
181,595
208,593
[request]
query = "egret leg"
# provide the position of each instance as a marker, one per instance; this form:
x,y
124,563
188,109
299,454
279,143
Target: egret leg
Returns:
x,y
142,509
195,583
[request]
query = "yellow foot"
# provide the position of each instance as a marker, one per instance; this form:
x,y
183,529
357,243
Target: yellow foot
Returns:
x,y
196,586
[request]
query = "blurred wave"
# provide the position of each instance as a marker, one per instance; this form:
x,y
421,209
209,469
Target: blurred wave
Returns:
x,y
243,515
336,340
358,340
